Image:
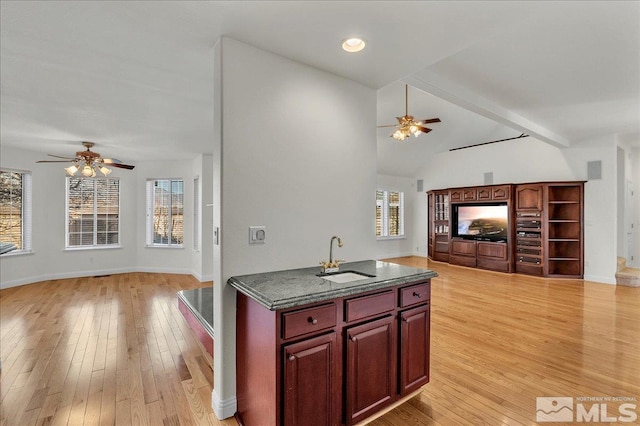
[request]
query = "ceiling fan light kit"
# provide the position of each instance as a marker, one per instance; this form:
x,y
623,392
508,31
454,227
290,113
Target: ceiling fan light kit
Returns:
x,y
407,126
93,163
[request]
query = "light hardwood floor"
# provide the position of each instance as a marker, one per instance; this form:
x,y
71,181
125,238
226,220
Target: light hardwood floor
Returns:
x,y
116,350
108,350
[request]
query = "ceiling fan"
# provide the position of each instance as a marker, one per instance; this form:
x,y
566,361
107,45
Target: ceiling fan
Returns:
x,y
407,126
88,162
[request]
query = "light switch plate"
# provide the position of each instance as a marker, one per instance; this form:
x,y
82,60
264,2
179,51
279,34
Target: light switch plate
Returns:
x,y
257,234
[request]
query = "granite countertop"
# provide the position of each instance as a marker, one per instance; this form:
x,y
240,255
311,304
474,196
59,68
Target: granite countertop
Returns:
x,y
295,287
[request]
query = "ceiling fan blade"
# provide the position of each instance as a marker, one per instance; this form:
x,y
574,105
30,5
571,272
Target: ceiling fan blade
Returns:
x,y
66,158
424,129
53,161
121,166
111,161
430,120
389,125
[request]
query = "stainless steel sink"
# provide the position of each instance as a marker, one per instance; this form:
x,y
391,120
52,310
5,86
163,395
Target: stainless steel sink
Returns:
x,y
345,277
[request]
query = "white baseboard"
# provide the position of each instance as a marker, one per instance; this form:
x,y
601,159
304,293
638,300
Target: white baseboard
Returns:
x,y
392,255
599,279
98,272
223,409
63,276
202,278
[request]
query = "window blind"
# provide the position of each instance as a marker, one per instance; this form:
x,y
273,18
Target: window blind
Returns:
x,y
15,209
93,212
165,212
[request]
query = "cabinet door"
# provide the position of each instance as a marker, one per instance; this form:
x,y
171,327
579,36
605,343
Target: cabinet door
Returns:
x,y
311,389
502,192
484,193
469,194
414,349
528,197
430,227
456,195
370,372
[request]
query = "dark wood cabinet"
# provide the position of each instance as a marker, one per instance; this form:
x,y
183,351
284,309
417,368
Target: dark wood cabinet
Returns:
x,y
469,194
481,254
545,235
484,194
528,197
309,378
370,369
414,343
337,362
500,193
456,195
438,227
493,255
463,252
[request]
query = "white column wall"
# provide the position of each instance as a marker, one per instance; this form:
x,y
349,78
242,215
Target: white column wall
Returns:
x,y
297,151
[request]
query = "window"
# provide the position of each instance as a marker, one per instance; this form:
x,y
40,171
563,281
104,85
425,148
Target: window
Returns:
x,y
389,214
15,211
165,223
93,212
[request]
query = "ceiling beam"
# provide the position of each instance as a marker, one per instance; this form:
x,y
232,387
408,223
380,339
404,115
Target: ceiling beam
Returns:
x,y
439,86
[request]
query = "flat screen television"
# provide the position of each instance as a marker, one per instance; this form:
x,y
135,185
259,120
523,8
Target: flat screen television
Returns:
x,y
488,221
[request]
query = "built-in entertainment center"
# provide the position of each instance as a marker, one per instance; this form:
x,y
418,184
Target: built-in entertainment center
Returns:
x,y
531,228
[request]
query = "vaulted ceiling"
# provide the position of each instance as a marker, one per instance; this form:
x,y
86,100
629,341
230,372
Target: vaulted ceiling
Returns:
x,y
136,77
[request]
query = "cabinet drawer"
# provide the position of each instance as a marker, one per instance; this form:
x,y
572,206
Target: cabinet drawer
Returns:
x,y
308,320
368,306
414,294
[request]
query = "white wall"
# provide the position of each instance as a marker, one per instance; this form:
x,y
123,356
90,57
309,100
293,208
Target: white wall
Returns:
x,y
530,160
600,206
298,155
635,206
50,260
395,247
202,259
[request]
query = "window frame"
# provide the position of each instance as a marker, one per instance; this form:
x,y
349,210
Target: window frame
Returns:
x,y
196,213
385,205
95,245
26,213
150,204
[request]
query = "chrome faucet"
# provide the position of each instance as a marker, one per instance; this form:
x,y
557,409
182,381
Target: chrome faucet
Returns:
x,y
331,247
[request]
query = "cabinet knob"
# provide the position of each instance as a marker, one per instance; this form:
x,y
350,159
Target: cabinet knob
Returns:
x,y
312,320
405,320
292,358
416,294
353,338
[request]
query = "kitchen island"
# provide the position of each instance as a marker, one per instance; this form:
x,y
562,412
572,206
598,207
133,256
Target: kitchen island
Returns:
x,y
312,350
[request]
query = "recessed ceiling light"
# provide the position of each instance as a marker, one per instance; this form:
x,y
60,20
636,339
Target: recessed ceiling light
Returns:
x,y
353,44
